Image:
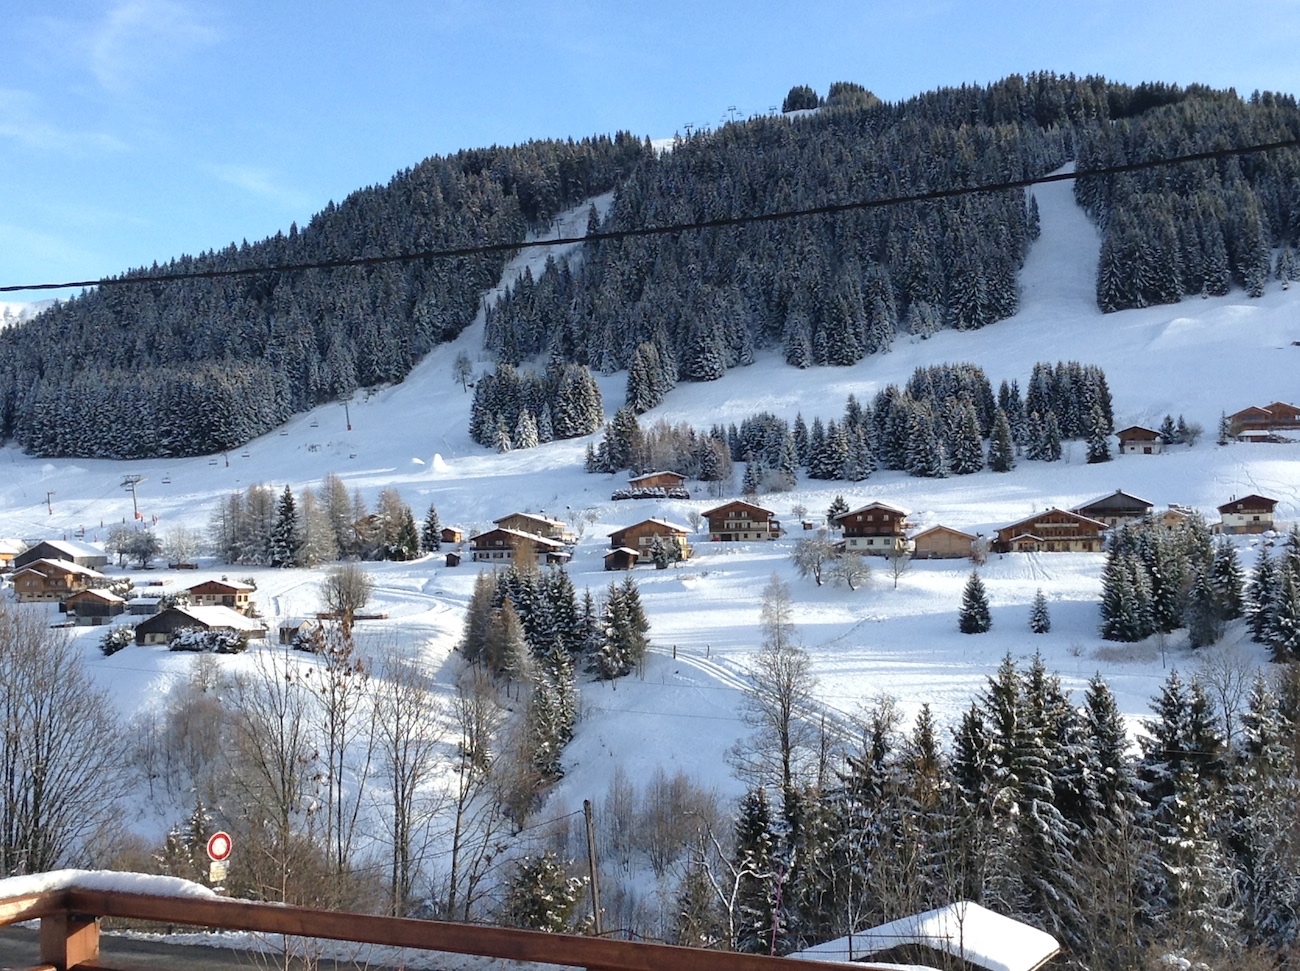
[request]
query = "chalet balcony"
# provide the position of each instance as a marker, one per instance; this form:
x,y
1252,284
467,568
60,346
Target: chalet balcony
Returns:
x,y
70,903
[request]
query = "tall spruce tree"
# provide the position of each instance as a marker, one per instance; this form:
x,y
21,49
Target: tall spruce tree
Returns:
x,y
974,616
285,538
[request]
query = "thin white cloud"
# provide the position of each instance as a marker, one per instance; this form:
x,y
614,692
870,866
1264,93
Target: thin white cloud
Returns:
x,y
260,182
140,38
22,120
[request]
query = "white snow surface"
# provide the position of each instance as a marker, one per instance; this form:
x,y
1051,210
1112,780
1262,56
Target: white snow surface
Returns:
x,y
1199,359
963,929
158,886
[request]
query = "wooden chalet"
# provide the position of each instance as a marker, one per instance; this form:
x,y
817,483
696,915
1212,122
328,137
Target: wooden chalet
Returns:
x,y
621,558
738,521
1115,509
70,551
1249,514
527,522
657,480
1139,440
942,543
451,535
1175,515
1053,531
159,628
46,580
500,545
222,593
1269,423
453,559
10,548
876,529
643,535
92,608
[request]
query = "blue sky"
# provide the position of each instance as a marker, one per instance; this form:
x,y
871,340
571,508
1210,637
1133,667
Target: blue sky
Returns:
x,y
136,130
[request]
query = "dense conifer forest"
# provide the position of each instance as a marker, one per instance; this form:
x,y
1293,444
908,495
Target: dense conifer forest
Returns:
x,y
200,365
203,365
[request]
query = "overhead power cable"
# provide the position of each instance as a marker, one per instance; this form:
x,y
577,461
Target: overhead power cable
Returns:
x,y
725,222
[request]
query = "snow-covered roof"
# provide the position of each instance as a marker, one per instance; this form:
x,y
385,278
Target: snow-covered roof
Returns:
x,y
11,547
963,929
73,548
45,566
104,595
876,504
222,617
520,534
671,527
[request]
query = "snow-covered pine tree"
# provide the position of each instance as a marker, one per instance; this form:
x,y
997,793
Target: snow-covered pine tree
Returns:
x,y
967,454
1204,614
1098,437
1262,595
1002,455
541,895
974,616
284,539
755,842
1040,621
431,531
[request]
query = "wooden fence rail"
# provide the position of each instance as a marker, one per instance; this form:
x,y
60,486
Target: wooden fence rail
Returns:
x,y
69,935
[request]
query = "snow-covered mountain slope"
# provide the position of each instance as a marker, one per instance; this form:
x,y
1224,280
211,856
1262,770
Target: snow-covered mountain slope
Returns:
x,y
1199,359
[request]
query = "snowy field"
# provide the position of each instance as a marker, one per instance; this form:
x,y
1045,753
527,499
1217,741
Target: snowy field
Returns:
x,y
1198,359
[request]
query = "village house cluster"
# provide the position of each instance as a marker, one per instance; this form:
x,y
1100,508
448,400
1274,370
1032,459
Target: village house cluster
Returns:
x,y
877,528
67,572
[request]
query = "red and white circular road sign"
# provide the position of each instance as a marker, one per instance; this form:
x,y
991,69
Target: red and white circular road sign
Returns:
x,y
219,846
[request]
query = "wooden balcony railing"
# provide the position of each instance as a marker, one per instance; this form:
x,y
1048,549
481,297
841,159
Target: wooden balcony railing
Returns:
x,y
69,935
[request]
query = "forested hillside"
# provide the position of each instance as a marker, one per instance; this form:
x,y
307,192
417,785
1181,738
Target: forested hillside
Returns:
x,y
830,290
202,365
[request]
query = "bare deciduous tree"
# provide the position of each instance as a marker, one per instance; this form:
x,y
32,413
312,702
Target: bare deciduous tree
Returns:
x,y
898,562
851,569
478,818
1227,673
344,591
340,688
409,733
778,702
811,554
61,749
273,763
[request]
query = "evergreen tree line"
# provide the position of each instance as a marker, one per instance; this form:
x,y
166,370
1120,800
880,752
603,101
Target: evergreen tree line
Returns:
x,y
1198,228
1159,577
528,626
936,425
196,366
1038,809
523,410
321,525
610,636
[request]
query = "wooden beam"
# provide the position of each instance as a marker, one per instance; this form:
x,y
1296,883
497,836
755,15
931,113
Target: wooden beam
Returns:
x,y
31,906
597,954
69,940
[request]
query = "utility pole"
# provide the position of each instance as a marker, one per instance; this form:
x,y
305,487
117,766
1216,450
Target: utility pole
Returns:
x,y
130,482
49,505
347,415
591,866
